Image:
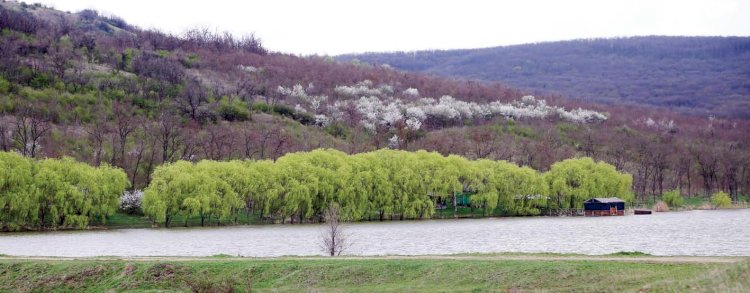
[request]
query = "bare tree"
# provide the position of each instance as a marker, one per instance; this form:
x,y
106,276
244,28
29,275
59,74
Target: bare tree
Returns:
x,y
29,129
169,135
6,133
193,98
334,238
125,122
97,135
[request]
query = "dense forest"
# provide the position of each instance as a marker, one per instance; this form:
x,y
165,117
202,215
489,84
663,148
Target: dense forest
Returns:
x,y
696,75
99,90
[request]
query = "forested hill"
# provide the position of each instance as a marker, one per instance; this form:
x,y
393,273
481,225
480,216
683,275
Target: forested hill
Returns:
x,y
104,92
699,75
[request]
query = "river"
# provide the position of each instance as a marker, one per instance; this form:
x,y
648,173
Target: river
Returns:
x,y
705,233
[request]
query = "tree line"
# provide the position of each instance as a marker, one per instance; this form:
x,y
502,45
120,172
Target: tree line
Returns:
x,y
56,193
299,187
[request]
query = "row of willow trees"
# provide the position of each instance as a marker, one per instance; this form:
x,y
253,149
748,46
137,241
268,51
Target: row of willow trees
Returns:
x,y
56,193
386,183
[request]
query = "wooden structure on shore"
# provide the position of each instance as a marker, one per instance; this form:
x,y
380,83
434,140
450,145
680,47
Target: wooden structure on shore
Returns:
x,y
609,206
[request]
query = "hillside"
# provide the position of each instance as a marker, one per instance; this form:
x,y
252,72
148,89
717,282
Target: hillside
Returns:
x,y
697,75
103,91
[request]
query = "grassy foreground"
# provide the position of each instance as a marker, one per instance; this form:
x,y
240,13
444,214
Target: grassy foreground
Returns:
x,y
369,274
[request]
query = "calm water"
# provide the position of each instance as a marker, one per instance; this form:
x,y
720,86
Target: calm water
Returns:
x,y
679,233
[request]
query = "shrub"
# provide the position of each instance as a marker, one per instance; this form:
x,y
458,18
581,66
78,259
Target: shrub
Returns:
x,y
721,200
41,80
283,110
661,206
304,118
130,201
4,86
190,61
673,198
261,107
232,109
339,130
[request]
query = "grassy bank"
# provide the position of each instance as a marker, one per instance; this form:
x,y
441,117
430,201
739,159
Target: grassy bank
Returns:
x,y
372,274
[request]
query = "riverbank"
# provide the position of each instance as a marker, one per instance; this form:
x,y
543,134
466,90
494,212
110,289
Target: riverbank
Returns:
x,y
122,220
478,272
129,221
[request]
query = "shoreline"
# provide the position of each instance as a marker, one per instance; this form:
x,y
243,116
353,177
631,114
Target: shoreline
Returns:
x,y
142,219
614,257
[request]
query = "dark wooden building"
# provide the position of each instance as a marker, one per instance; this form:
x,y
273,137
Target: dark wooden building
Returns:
x,y
609,206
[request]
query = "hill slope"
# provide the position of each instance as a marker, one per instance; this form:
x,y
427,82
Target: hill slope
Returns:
x,y
701,75
102,91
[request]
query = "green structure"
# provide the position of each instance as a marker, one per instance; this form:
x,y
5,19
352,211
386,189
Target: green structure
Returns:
x,y
462,200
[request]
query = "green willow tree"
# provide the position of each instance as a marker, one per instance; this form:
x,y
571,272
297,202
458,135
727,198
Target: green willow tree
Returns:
x,y
573,181
18,208
56,193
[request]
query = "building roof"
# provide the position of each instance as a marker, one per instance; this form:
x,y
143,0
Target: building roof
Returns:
x,y
606,200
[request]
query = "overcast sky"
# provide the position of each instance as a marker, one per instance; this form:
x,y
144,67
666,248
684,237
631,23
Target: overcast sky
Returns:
x,y
344,26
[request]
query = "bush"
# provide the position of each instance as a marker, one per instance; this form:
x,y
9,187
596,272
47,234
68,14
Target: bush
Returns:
x,y
673,198
232,109
721,200
261,107
661,206
283,110
41,80
190,61
4,86
130,201
337,129
304,118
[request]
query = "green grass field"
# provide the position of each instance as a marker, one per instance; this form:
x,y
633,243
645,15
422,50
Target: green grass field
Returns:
x,y
473,274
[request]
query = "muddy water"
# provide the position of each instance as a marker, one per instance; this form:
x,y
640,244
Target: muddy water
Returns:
x,y
724,232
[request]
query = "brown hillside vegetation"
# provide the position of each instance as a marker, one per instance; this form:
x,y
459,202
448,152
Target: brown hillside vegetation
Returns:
x,y
102,91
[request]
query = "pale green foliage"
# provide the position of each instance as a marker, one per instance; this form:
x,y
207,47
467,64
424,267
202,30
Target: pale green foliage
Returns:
x,y
384,183
573,181
672,198
56,193
17,206
721,200
207,189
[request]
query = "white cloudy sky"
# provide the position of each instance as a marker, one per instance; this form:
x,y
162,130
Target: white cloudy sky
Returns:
x,y
346,26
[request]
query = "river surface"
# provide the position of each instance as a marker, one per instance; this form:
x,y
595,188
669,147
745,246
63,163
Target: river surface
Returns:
x,y
706,233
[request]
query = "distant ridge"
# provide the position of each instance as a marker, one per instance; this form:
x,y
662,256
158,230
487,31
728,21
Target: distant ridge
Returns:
x,y
697,75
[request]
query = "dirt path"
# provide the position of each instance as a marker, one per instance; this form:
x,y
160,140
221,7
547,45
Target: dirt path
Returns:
x,y
531,257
